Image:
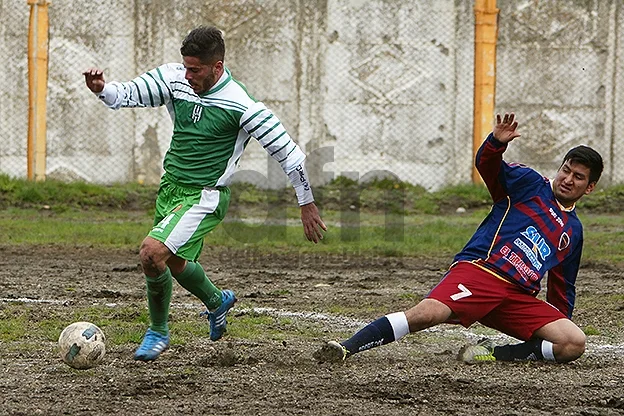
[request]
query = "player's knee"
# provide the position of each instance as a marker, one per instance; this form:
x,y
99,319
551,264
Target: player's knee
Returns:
x,y
153,256
573,347
577,344
427,313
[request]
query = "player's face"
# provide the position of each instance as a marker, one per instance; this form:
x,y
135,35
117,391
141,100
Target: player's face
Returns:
x,y
571,183
201,76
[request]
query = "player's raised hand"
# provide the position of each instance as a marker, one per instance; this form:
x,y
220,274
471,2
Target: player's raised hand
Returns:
x,y
94,78
505,129
312,222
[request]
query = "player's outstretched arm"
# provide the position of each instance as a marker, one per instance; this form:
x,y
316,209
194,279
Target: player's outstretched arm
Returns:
x,y
94,78
260,122
505,129
312,222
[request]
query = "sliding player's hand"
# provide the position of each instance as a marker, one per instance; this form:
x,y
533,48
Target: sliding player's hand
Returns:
x,y
505,129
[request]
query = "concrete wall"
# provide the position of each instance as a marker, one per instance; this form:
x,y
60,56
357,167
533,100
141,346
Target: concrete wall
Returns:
x,y
560,68
13,88
365,87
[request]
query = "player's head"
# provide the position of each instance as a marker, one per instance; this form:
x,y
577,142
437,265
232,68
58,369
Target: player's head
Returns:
x,y
203,52
578,174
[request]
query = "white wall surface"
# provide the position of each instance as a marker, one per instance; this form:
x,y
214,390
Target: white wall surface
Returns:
x,y
363,86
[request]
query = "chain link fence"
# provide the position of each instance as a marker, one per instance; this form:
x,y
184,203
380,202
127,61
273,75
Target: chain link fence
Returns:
x,y
367,88
13,87
559,67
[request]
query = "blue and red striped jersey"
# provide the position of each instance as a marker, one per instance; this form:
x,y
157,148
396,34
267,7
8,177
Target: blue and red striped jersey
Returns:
x,y
527,232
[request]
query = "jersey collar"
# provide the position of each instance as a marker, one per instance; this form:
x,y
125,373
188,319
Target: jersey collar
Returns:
x,y
222,82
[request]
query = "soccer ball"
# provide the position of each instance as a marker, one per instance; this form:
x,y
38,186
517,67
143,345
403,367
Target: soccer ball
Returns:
x,y
82,345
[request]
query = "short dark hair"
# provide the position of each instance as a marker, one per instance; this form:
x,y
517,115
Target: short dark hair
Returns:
x,y
586,156
205,43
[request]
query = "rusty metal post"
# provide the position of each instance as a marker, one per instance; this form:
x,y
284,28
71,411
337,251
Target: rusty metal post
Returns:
x,y
486,34
38,34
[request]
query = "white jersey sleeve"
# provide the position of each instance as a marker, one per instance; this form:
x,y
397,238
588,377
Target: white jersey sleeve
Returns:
x,y
259,122
151,89
299,180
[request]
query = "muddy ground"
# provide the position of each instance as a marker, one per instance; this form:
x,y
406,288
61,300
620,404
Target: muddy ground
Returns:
x,y
238,376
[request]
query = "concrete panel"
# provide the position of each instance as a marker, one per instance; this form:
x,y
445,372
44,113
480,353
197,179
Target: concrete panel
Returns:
x,y
553,71
461,119
390,96
81,37
614,129
14,16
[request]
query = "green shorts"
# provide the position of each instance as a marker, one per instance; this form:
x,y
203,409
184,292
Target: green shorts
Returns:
x,y
184,216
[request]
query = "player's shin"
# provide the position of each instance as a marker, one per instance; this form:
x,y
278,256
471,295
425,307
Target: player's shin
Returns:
x,y
384,330
194,279
532,350
158,299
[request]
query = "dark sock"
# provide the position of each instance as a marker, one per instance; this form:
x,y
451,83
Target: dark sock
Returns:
x,y
158,300
526,351
372,335
193,278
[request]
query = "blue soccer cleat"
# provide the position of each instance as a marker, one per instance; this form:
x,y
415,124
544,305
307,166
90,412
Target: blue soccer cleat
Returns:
x,y
218,323
153,344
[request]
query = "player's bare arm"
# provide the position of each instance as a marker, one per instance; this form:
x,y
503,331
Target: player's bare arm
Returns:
x,y
94,78
312,222
506,129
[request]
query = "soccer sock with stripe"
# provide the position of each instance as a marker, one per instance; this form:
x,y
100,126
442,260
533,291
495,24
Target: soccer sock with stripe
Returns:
x,y
194,279
158,300
384,330
532,350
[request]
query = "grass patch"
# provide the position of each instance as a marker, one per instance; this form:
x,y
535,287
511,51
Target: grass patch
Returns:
x,y
60,196
27,326
590,330
27,323
380,196
377,218
365,234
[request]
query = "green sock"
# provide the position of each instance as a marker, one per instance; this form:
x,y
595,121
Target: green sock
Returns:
x,y
158,300
194,279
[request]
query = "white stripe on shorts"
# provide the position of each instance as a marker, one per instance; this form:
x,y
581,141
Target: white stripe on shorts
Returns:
x,y
191,219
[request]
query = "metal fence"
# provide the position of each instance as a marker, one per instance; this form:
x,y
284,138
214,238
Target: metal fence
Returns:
x,y
559,66
13,88
366,88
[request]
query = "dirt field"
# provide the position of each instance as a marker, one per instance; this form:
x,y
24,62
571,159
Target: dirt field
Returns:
x,y
235,376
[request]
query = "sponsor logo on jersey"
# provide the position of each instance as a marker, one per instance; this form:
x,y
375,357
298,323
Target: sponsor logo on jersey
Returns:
x,y
197,113
516,261
564,241
540,246
531,255
555,216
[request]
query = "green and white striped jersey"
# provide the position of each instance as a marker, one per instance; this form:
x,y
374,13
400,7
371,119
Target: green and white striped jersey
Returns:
x,y
210,131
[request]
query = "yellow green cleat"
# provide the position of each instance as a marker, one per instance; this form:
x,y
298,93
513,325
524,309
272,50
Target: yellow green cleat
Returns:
x,y
478,353
332,351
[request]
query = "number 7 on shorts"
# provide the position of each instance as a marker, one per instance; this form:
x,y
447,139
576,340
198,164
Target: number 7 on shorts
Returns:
x,y
464,292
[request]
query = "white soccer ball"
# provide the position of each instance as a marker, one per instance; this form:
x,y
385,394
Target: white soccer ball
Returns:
x,y
82,345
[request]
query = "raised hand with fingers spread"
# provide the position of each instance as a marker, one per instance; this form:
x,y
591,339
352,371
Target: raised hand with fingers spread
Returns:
x,y
505,130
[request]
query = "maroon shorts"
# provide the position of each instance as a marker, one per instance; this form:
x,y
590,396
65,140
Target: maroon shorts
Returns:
x,y
476,295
